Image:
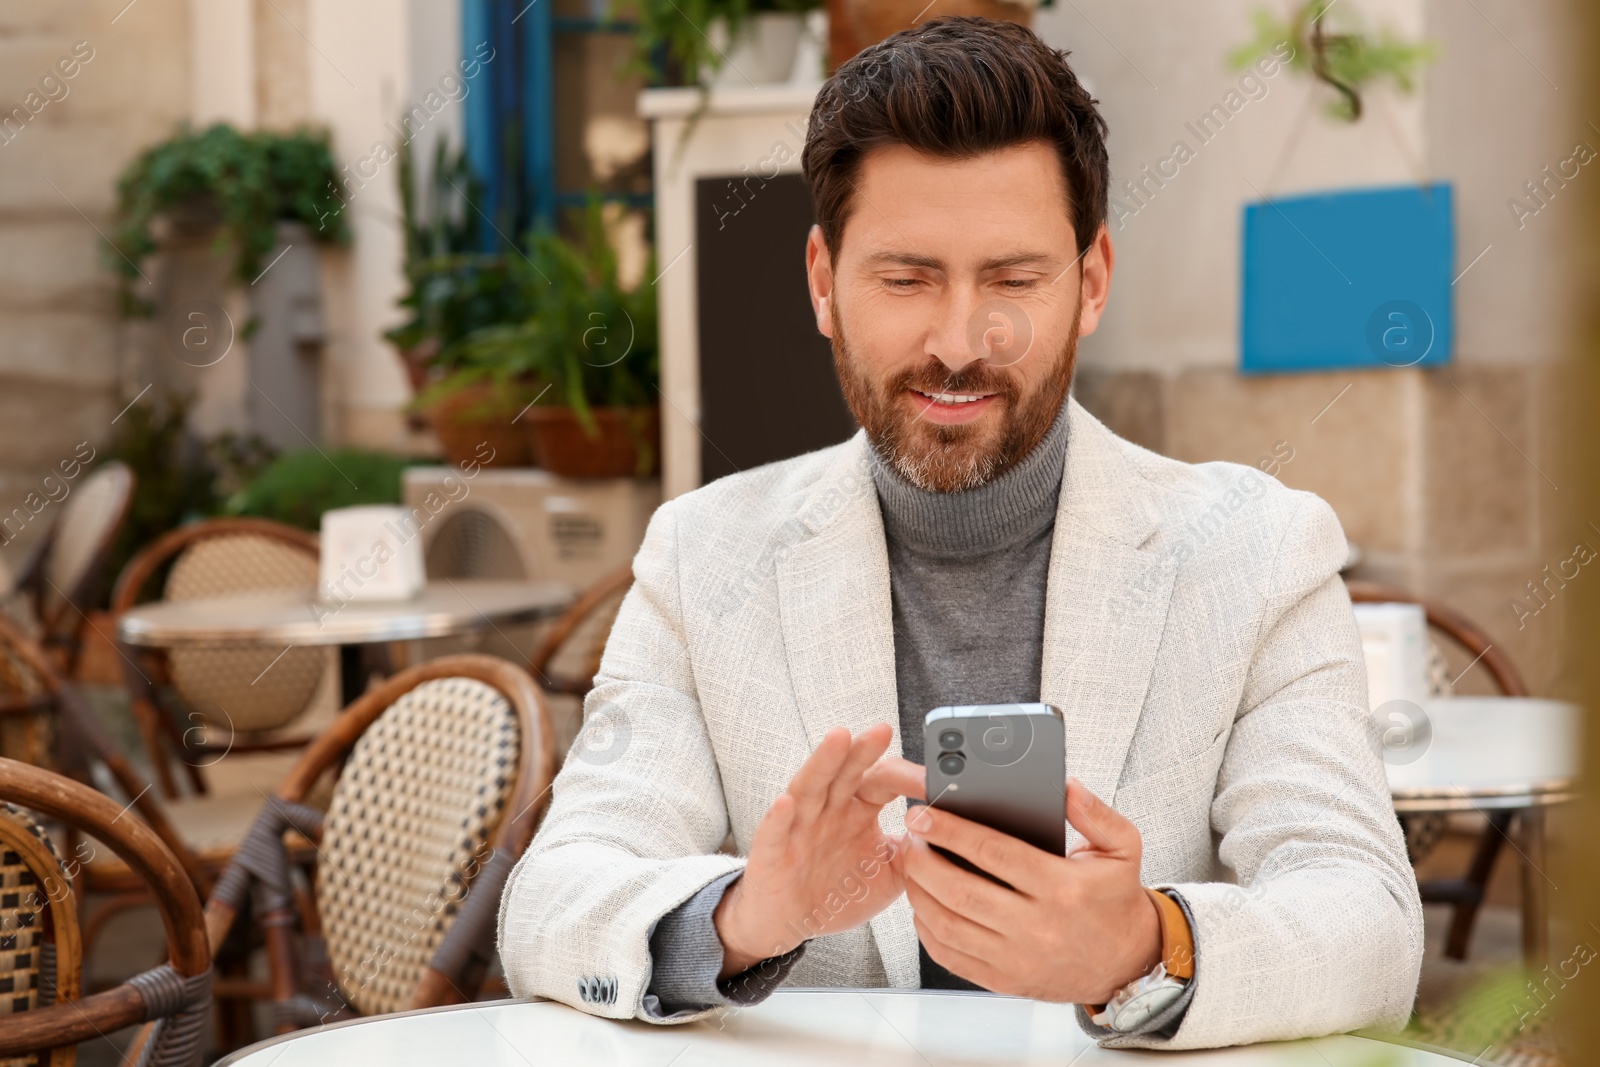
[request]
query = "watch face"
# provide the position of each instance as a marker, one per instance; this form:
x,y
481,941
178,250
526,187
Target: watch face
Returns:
x,y
1145,1006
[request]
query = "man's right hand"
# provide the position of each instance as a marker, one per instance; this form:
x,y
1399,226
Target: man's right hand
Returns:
x,y
819,863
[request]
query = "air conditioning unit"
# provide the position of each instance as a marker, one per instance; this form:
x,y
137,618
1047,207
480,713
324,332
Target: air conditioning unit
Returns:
x,y
526,523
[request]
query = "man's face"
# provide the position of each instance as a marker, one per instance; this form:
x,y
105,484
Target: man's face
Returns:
x,y
954,306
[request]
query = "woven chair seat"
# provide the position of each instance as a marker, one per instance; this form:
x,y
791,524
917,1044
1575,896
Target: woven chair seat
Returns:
x,y
407,829
250,689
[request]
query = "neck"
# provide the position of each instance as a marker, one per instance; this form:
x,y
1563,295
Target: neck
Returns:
x,y
993,517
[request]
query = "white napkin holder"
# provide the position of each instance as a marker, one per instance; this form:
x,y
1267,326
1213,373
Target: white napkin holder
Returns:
x,y
1394,642
370,552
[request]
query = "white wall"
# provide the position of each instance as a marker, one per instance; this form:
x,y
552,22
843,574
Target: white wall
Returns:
x,y
1494,108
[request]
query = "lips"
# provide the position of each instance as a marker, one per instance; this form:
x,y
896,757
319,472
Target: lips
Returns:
x,y
953,398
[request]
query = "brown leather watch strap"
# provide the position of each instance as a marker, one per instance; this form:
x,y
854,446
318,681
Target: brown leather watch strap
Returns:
x,y
1177,940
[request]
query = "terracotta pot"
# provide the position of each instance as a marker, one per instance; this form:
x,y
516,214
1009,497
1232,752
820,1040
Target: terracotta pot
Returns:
x,y
475,416
628,444
854,24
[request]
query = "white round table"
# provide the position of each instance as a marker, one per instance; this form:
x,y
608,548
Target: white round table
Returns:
x,y
295,617
793,1028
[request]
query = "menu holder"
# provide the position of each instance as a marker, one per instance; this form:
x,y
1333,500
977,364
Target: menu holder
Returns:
x,y
369,553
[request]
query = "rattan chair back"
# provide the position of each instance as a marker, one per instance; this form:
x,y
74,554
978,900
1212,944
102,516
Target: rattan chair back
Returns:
x,y
445,769
80,547
568,657
41,955
232,689
51,1016
408,830
26,709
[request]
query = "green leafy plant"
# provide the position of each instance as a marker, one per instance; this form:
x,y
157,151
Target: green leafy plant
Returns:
x,y
586,342
250,181
299,486
1343,55
673,35
452,289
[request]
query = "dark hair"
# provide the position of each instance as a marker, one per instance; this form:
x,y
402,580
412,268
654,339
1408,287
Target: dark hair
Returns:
x,y
955,87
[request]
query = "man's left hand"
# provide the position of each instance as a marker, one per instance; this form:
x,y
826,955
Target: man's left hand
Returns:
x,y
1074,928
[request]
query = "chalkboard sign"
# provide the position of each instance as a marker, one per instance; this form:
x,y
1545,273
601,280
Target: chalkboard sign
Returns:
x,y
768,390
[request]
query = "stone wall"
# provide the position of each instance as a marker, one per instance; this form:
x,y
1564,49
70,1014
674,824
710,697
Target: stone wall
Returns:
x,y
60,335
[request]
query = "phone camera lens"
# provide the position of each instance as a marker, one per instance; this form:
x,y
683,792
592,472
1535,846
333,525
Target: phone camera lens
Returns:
x,y
950,739
951,763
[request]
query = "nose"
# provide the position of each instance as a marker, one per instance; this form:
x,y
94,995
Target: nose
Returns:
x,y
947,334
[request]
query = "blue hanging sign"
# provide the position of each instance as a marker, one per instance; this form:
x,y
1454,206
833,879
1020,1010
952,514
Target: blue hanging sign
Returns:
x,y
1348,280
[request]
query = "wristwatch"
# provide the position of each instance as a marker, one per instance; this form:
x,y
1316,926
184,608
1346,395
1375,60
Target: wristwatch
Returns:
x,y
1144,998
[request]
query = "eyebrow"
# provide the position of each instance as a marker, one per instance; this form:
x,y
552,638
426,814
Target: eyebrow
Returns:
x,y
915,259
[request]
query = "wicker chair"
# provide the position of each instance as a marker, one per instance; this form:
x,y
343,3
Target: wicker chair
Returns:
x,y
62,576
47,1013
1464,894
221,692
568,657
442,773
80,746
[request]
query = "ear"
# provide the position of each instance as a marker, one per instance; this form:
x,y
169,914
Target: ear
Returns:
x,y
819,278
1096,281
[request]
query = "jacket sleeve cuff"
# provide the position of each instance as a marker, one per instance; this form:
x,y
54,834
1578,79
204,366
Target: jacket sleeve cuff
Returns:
x,y
1163,1025
686,956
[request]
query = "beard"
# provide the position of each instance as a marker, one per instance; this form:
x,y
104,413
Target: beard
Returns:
x,y
947,459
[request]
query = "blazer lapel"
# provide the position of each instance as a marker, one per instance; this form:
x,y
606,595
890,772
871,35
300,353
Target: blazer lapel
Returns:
x,y
1105,605
838,632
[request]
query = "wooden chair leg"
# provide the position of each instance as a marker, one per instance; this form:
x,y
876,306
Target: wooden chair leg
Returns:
x,y
1477,882
278,926
150,731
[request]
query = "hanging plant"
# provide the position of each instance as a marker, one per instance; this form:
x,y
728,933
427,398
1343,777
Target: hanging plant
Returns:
x,y
252,181
676,31
1342,55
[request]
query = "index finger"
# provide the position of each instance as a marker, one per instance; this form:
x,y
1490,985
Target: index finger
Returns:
x,y
890,778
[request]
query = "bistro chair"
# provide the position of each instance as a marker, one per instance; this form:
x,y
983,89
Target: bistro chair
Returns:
x,y
61,580
46,1015
568,657
81,748
193,705
442,772
1464,894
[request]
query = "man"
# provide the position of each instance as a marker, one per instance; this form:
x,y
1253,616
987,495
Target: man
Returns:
x,y
1235,872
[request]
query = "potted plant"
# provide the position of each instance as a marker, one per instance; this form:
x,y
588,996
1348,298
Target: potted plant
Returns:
x,y
720,42
242,185
453,290
855,24
590,345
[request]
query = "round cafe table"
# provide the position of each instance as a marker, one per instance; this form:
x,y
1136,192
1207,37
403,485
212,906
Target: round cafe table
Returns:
x,y
794,1027
291,617
1511,759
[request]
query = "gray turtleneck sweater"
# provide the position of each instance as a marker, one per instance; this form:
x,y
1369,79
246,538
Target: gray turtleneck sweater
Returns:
x,y
967,576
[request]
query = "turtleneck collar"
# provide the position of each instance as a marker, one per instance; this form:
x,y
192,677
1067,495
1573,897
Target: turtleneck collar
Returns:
x,y
994,517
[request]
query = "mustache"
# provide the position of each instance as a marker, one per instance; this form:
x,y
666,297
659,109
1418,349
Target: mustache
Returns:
x,y
973,378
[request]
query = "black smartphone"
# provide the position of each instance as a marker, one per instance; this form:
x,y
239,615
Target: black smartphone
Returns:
x,y
1002,765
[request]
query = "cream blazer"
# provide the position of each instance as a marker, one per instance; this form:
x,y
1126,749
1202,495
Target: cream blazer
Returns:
x,y
1198,641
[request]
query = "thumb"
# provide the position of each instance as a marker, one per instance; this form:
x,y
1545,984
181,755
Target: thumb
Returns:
x,y
1103,828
